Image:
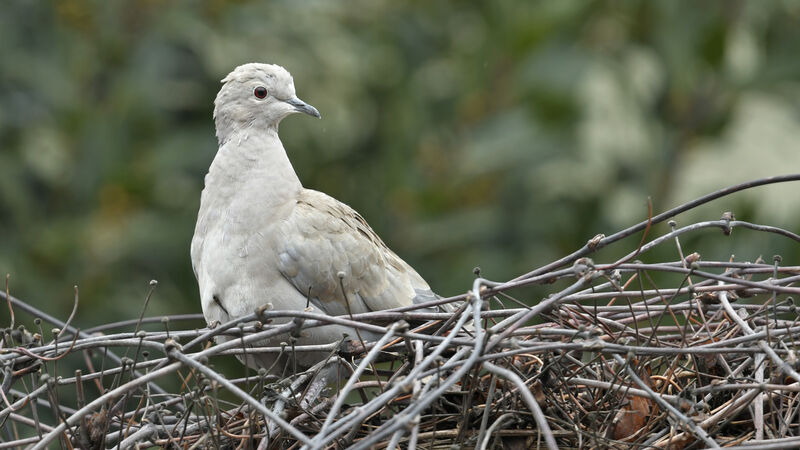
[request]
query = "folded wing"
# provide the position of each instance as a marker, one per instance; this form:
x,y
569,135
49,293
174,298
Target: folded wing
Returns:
x,y
322,239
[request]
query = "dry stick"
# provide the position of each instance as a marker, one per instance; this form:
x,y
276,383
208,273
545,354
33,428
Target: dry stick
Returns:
x,y
395,440
28,421
22,401
326,402
794,387
44,316
140,436
459,373
752,337
416,392
125,388
34,408
739,267
127,323
487,408
316,320
18,443
341,276
100,341
402,385
178,355
723,224
628,390
213,332
485,441
698,287
733,408
512,323
596,245
758,405
641,242
768,287
359,415
699,432
289,392
779,362
759,359
354,377
789,418
530,401
8,301
71,315
771,444
413,424
153,284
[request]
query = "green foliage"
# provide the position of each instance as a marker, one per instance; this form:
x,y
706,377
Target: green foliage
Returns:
x,y
496,134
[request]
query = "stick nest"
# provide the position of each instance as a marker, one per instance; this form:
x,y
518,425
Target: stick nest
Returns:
x,y
685,353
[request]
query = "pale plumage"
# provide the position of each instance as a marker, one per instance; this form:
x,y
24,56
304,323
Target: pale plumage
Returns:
x,y
322,237
261,238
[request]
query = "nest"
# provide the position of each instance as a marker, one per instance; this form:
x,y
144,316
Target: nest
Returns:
x,y
625,354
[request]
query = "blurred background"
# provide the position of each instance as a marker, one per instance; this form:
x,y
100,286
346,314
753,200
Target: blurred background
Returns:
x,y
498,134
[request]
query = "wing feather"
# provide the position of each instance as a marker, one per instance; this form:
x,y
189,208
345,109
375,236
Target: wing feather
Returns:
x,y
323,237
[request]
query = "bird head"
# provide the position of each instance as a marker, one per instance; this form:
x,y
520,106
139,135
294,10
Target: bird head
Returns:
x,y
256,96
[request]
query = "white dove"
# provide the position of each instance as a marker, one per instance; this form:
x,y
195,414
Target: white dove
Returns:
x,y
263,239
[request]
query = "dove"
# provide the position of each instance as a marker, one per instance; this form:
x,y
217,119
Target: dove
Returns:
x,y
264,240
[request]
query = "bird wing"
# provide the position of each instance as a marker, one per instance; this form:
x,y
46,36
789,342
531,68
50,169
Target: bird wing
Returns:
x,y
326,249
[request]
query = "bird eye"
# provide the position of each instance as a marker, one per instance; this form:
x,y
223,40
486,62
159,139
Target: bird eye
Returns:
x,y
260,92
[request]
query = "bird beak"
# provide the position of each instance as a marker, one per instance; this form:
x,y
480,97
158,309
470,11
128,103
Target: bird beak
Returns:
x,y
303,107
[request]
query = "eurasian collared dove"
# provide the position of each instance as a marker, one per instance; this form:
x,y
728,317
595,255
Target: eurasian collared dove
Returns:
x,y
262,238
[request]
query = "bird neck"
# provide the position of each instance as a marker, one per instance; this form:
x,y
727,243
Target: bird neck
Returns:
x,y
253,164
